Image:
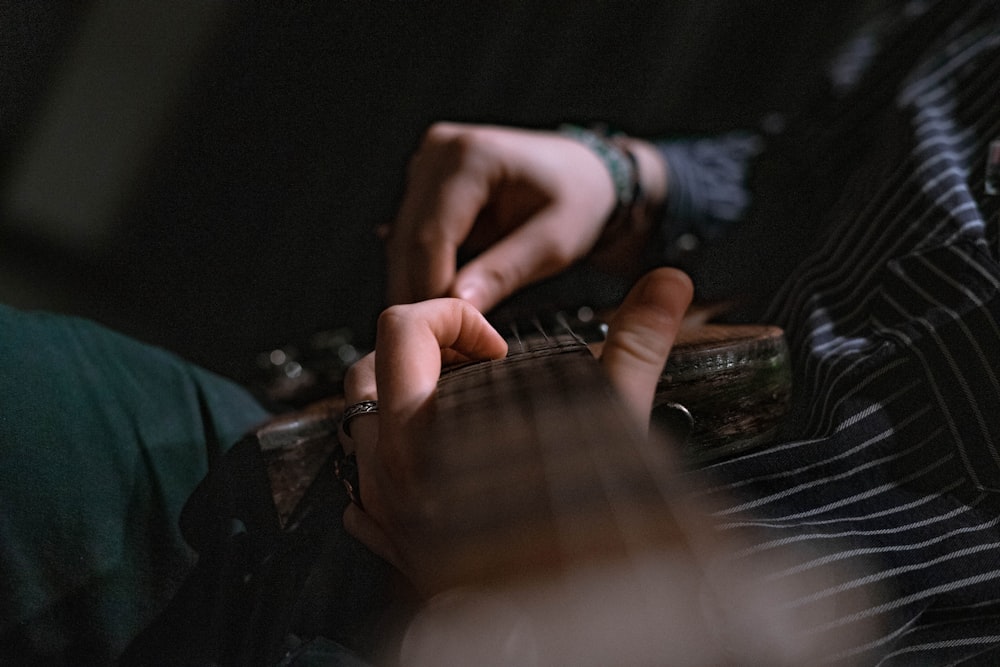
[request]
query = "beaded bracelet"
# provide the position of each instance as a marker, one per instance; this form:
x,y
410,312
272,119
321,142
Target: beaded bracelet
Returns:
x,y
622,166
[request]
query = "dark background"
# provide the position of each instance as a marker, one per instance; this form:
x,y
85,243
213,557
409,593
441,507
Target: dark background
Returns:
x,y
241,155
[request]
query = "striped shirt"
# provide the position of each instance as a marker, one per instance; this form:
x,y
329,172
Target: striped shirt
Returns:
x,y
880,237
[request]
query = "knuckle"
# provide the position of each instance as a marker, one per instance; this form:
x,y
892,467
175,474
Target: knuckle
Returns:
x,y
426,241
393,324
504,280
393,317
644,345
438,132
560,255
356,375
450,144
433,144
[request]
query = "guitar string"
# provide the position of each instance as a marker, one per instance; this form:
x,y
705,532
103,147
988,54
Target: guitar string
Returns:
x,y
576,394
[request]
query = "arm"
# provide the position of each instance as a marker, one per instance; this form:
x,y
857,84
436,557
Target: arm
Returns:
x,y
529,204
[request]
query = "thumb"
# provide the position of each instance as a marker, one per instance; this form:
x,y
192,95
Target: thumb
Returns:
x,y
542,247
640,336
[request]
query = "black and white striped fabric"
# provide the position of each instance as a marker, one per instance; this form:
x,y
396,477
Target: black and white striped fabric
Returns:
x,y
890,463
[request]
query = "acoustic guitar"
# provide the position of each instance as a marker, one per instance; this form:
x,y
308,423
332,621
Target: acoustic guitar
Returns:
x,y
552,532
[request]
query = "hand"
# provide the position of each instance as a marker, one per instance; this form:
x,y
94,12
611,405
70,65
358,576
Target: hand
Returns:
x,y
412,343
531,203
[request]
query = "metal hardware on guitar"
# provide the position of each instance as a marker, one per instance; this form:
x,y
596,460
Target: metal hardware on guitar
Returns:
x,y
734,382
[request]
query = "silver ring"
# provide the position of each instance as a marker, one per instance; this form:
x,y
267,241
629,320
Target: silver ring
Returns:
x,y
356,410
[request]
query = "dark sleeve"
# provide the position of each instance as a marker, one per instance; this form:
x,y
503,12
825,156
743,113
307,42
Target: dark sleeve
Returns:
x,y
102,439
707,186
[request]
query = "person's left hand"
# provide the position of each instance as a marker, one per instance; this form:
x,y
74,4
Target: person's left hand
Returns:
x,y
413,341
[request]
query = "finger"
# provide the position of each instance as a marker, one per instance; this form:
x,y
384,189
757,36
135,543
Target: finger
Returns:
x,y
447,188
409,346
640,336
359,382
538,249
359,385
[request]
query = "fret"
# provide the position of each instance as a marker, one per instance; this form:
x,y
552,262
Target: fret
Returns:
x,y
535,465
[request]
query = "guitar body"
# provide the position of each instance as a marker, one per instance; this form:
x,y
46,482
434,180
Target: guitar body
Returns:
x,y
734,380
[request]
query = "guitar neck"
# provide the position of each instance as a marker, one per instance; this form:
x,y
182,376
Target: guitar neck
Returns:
x,y
536,448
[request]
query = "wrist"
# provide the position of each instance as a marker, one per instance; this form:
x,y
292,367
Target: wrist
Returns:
x,y
639,174
618,161
652,170
652,175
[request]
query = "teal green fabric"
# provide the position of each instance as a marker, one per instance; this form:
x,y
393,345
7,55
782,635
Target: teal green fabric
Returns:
x,y
102,439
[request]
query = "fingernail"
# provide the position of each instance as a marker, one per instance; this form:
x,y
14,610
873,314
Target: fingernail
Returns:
x,y
468,291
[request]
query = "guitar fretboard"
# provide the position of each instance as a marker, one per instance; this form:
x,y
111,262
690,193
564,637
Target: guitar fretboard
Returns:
x,y
535,465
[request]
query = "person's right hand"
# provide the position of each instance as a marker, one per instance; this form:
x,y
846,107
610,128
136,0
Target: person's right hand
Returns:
x,y
530,203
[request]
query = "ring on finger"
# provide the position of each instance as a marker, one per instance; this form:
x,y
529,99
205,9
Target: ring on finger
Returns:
x,y
354,411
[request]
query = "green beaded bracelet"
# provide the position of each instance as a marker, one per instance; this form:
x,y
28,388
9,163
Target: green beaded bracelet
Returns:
x,y
621,165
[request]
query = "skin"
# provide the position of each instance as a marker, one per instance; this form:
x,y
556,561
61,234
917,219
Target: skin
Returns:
x,y
527,204
413,343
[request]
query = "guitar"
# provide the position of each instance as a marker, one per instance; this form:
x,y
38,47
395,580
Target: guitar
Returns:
x,y
546,520
725,388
